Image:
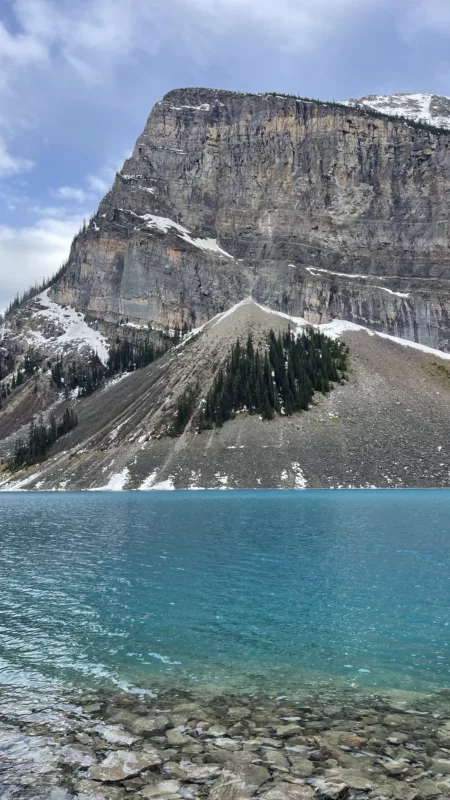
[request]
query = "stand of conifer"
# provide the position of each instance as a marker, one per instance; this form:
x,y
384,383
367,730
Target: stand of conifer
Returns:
x,y
280,380
40,438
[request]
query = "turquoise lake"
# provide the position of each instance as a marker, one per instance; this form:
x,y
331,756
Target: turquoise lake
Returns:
x,y
240,590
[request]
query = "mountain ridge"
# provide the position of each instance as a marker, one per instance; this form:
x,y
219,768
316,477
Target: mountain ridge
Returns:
x,y
236,214
369,432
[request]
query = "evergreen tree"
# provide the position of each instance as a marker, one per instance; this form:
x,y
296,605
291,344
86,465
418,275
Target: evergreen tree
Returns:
x,y
40,438
283,379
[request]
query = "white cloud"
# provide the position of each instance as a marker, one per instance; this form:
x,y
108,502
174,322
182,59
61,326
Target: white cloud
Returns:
x,y
57,212
95,38
29,254
21,49
71,193
303,22
97,184
12,165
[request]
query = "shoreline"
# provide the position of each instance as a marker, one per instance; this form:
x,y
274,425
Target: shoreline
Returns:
x,y
258,489
179,744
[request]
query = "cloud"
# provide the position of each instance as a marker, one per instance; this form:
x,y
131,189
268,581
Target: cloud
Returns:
x,y
426,15
57,212
95,38
12,165
71,193
21,49
29,254
302,22
97,184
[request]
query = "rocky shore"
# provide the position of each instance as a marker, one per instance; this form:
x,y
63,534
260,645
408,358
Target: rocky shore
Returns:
x,y
339,744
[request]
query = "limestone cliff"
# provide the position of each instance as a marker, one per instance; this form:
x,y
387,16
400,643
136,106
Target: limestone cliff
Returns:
x,y
228,195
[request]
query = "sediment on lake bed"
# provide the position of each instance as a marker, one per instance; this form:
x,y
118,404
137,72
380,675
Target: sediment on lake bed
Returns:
x,y
341,743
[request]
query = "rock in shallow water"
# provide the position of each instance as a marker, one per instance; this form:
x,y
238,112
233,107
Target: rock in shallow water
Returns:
x,y
199,772
239,781
115,734
162,789
289,791
123,764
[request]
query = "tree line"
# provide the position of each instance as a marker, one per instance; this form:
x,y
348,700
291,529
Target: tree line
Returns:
x,y
185,408
40,438
30,365
86,376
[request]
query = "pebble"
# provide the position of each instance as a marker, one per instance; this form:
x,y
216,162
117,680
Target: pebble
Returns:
x,y
228,748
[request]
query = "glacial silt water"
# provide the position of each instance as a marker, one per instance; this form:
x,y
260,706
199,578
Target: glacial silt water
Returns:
x,y
235,590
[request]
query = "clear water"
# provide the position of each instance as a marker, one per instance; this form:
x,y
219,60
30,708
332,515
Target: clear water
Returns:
x,y
261,590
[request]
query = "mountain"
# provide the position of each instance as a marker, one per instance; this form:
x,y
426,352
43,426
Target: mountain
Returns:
x,y
239,214
314,209
432,109
387,426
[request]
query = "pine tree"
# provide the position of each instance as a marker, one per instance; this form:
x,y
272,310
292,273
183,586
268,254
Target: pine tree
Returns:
x,y
283,379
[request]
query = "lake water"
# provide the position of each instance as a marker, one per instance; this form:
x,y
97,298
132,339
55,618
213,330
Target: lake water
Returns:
x,y
262,591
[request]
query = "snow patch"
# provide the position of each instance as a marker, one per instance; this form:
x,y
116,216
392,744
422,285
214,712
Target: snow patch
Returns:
x,y
150,483
391,291
163,486
222,479
415,106
17,485
114,433
316,272
164,224
76,330
134,325
115,380
202,107
415,345
300,480
116,482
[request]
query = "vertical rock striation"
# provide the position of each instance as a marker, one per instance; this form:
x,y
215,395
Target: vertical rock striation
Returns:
x,y
314,209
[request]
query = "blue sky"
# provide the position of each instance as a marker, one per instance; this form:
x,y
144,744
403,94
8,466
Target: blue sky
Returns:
x,y
78,79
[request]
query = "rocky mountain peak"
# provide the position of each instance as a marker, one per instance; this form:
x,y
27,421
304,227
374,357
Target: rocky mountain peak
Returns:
x,y
315,209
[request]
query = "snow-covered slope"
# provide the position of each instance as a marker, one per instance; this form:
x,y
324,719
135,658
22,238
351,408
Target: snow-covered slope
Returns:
x,y
53,328
432,109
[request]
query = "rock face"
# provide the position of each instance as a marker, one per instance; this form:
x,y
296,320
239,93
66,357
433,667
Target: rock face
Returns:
x,y
314,209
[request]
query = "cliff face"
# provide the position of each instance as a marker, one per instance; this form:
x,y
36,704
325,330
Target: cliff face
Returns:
x,y
228,195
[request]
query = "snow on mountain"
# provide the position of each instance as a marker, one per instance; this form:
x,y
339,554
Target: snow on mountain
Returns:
x,y
432,109
54,327
76,330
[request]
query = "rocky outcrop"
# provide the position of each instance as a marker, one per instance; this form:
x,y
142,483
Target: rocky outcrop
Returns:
x,y
230,194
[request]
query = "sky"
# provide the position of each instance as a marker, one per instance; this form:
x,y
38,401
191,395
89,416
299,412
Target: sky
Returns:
x,y
78,80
